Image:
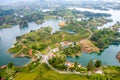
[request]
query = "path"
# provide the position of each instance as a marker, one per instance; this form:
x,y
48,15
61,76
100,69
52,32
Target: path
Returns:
x,y
45,59
91,33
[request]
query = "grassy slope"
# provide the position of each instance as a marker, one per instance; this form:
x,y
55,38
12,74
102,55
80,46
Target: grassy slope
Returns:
x,y
43,72
26,76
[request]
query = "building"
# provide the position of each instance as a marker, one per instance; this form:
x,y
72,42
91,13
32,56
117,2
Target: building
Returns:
x,y
69,65
66,44
55,50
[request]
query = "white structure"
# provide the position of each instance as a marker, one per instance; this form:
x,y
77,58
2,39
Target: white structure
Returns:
x,y
99,72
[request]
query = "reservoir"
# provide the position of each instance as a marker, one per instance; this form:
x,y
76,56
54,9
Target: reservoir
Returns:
x,y
8,38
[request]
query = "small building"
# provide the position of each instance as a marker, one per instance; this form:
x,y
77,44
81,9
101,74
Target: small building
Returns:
x,y
22,55
99,72
55,50
62,24
30,52
51,55
69,65
34,59
66,44
38,56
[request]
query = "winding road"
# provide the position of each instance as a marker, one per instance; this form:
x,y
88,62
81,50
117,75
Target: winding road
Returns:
x,y
91,33
45,59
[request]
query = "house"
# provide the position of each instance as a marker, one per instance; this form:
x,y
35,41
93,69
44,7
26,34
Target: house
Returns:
x,y
34,59
38,56
51,55
22,55
62,24
69,64
55,50
66,44
99,72
30,52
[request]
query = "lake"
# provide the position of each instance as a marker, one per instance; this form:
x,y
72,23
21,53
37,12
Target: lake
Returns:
x,y
8,38
108,56
115,15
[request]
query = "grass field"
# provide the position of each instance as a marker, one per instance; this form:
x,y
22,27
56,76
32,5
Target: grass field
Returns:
x,y
43,72
26,76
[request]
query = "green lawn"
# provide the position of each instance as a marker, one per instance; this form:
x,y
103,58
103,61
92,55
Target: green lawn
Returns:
x,y
26,76
43,72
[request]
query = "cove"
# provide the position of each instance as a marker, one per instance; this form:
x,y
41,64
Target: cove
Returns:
x,y
8,38
108,57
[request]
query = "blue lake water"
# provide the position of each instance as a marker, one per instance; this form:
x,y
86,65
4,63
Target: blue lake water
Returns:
x,y
8,38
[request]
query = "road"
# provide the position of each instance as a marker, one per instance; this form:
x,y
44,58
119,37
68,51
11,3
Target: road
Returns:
x,y
91,33
45,59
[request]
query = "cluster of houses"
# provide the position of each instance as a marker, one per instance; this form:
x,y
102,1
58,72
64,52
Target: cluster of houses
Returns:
x,y
52,52
51,55
66,44
36,57
71,65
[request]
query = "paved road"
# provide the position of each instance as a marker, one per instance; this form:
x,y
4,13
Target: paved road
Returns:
x,y
90,34
45,59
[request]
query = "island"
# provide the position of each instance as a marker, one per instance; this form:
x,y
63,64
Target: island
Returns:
x,y
5,26
49,51
48,48
23,24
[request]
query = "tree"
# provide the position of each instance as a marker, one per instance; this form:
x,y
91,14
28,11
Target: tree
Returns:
x,y
10,65
90,66
76,64
98,63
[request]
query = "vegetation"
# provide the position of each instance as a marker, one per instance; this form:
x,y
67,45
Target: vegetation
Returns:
x,y
98,63
10,71
94,22
112,72
11,17
76,32
102,38
39,40
76,27
43,72
72,50
116,27
90,66
58,63
23,24
97,77
92,15
5,26
35,40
